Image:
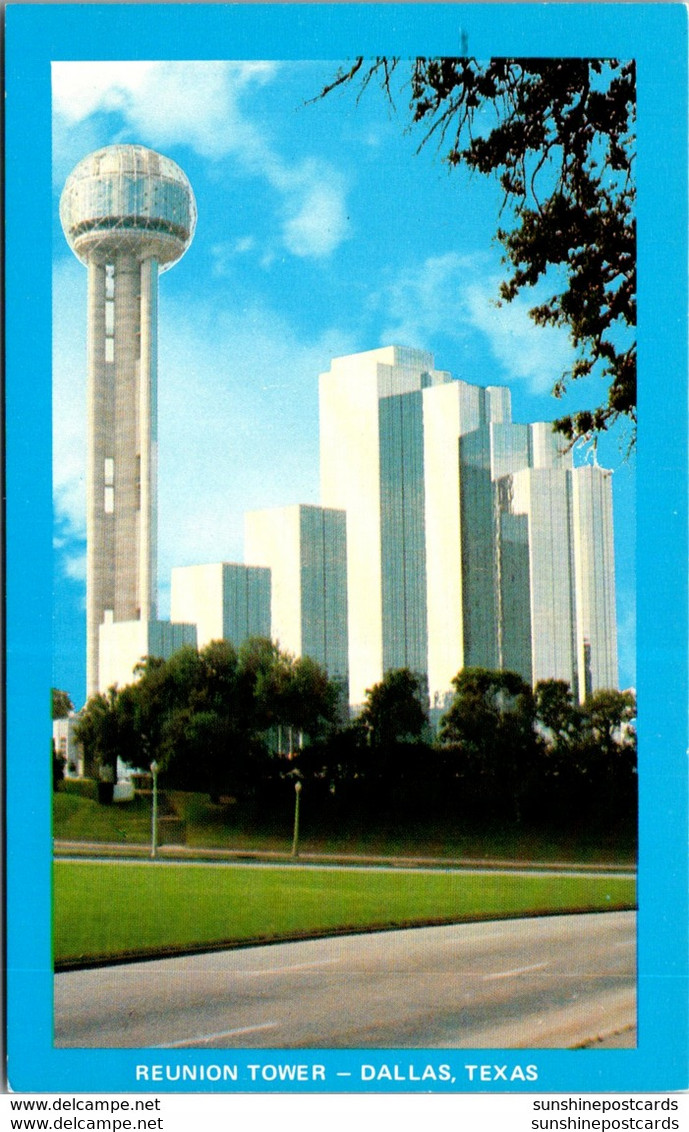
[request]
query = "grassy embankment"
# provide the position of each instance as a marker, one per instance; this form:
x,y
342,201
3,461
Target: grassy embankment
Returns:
x,y
206,825
112,910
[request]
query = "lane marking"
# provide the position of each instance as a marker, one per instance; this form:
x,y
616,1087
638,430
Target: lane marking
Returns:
x,y
223,1034
286,970
516,971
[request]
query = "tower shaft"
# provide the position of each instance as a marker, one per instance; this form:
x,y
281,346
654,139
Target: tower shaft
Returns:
x,y
122,441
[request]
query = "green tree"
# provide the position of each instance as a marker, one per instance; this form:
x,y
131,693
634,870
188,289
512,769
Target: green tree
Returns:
x,y
291,694
391,750
148,704
559,136
560,719
58,764
609,720
61,703
395,710
589,764
607,755
188,714
105,733
265,673
562,786
209,718
313,700
491,726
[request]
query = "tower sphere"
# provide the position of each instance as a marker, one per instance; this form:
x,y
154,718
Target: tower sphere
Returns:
x,y
128,199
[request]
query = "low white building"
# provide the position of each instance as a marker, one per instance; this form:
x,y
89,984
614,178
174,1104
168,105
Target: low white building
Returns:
x,y
226,601
66,746
124,644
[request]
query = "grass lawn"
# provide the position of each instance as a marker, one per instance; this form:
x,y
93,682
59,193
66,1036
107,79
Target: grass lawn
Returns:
x,y
109,909
228,827
83,819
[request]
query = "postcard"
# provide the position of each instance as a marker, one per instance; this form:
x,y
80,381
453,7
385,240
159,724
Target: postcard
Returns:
x,y
346,555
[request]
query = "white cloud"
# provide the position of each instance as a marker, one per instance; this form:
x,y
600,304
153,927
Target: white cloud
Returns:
x,y
423,300
233,431
320,225
528,353
170,103
206,106
80,89
74,566
234,434
451,294
69,396
224,253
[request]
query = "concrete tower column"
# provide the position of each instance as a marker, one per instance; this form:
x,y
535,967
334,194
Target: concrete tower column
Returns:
x,y
148,441
126,455
100,571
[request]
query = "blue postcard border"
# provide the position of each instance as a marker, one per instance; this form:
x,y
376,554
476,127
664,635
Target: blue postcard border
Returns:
x,y
656,35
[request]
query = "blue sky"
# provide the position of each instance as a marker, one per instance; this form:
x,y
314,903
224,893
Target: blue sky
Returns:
x,y
321,231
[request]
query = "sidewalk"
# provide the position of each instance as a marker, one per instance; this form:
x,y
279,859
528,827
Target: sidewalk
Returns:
x,y
114,850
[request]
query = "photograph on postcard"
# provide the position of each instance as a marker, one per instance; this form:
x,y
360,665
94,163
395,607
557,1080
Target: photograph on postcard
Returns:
x,y
352,672
346,515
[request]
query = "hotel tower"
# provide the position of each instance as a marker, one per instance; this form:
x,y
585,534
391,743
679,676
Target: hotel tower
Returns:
x,y
128,214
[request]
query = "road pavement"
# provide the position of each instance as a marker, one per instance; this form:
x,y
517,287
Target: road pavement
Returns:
x,y
548,982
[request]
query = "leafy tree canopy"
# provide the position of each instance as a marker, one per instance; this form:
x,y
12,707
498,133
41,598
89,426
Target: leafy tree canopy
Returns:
x,y
103,731
205,716
491,725
487,704
559,136
560,719
61,703
610,717
395,710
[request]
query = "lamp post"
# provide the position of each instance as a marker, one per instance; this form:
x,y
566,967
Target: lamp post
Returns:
x,y
154,810
295,839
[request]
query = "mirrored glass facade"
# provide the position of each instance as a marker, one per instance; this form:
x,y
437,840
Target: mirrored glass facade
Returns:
x,y
304,550
472,540
403,556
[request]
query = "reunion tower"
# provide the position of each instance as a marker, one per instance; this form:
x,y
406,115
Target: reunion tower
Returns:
x,y
128,214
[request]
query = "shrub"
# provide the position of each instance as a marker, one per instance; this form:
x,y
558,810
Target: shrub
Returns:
x,y
83,787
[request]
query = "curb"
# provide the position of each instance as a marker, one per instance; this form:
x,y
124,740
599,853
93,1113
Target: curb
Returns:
x,y
109,850
82,963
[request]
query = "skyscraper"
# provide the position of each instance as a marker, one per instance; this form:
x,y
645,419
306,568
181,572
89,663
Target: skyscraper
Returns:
x,y
372,467
305,549
225,601
128,214
594,578
471,540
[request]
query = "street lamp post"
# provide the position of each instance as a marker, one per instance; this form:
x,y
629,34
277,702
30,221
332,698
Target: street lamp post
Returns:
x,y
154,810
295,839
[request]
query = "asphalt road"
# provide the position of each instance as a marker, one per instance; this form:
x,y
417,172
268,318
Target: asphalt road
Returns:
x,y
551,982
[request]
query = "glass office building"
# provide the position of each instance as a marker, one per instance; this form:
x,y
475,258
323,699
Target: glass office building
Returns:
x,y
125,644
596,627
303,547
449,537
225,600
372,411
471,540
